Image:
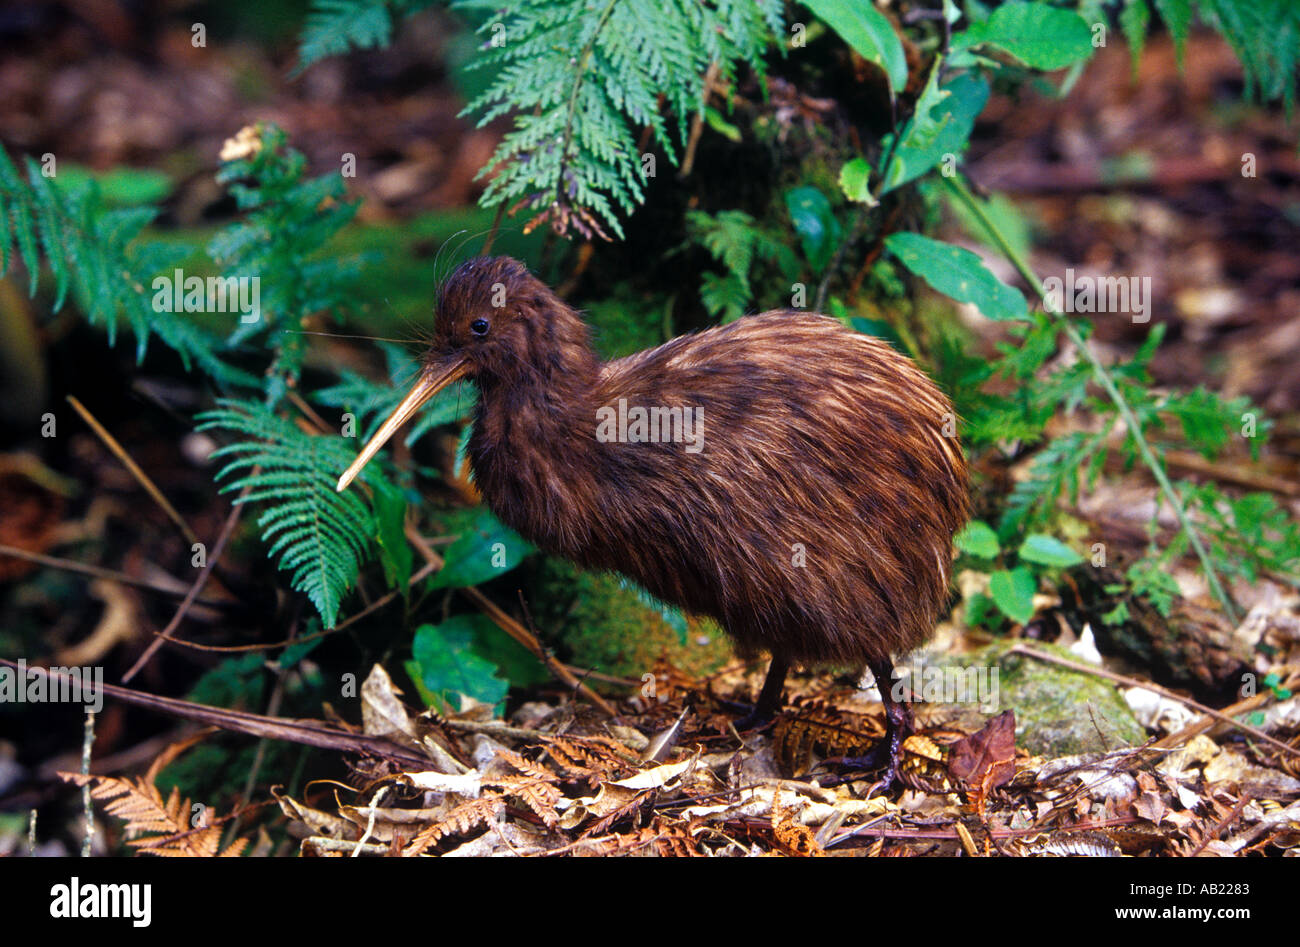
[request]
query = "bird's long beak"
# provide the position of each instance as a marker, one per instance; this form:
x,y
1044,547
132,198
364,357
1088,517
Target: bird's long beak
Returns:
x,y
432,380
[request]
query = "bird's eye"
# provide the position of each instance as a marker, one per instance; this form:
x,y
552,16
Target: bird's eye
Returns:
x,y
479,327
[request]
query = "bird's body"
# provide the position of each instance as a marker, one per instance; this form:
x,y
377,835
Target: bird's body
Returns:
x,y
808,502
816,518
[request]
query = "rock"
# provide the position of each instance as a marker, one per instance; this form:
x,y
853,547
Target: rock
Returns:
x,y
1058,711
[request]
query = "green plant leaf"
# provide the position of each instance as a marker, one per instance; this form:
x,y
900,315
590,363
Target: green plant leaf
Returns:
x,y
869,32
815,223
320,536
978,539
956,272
949,116
486,549
1048,551
1013,591
395,553
1040,36
449,666
854,178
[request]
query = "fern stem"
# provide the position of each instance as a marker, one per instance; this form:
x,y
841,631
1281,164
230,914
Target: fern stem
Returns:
x,y
1103,376
580,72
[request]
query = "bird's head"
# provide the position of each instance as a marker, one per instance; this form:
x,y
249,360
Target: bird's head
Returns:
x,y
496,324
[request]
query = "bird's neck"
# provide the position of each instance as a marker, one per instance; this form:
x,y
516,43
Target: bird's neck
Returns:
x,y
534,424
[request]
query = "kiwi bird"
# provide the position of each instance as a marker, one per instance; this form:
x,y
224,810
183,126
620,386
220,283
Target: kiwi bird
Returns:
x,y
795,480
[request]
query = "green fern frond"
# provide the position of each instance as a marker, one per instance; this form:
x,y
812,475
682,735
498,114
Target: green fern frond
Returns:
x,y
97,254
289,218
322,537
735,240
581,79
370,401
336,26
1264,34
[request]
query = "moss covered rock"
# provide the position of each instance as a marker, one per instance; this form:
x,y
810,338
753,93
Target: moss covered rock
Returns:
x,y
1059,712
605,626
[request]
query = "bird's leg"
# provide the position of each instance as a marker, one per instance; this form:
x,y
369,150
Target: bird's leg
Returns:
x,y
898,726
769,698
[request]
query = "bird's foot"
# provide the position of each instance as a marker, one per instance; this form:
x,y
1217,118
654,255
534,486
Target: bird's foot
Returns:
x,y
885,754
756,719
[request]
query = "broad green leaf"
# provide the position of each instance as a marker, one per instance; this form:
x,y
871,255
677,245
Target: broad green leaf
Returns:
x,y
1048,551
449,666
949,118
978,539
1013,592
956,272
395,553
486,549
1040,36
869,32
815,223
854,177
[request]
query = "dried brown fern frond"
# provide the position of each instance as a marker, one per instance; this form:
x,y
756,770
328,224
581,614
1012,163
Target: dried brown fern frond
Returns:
x,y
813,727
792,838
163,827
587,759
522,764
461,820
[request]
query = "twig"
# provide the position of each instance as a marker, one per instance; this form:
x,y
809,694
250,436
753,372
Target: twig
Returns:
x,y
1227,820
697,124
492,234
301,404
259,755
197,587
87,741
141,477
1108,385
306,732
111,575
1020,648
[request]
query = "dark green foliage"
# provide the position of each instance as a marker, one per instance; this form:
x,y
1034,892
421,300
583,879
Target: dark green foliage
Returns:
x,y
446,664
97,254
288,218
337,26
739,243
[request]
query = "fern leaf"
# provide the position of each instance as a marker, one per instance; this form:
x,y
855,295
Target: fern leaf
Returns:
x,y
321,537
581,79
336,26
98,255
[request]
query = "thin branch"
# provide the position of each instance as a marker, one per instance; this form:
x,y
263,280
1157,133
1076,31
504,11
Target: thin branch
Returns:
x,y
141,477
1258,734
199,582
111,575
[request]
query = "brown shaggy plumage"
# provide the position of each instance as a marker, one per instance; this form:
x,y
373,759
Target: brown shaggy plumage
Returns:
x,y
815,523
